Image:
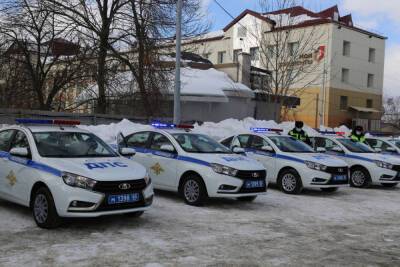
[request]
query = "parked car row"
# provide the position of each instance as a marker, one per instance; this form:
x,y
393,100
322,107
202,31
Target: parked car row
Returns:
x,y
60,170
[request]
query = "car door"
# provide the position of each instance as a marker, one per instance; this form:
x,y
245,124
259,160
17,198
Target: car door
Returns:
x,y
162,164
5,142
19,175
267,158
140,142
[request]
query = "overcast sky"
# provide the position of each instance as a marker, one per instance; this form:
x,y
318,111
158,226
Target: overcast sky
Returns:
x,y
380,16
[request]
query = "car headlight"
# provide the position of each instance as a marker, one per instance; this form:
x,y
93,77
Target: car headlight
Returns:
x,y
316,166
147,179
78,181
385,165
222,169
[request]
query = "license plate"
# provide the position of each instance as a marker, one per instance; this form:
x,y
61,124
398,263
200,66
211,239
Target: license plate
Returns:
x,y
340,178
254,184
125,198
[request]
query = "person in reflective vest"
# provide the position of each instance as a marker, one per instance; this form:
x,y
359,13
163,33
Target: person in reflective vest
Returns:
x,y
357,135
299,133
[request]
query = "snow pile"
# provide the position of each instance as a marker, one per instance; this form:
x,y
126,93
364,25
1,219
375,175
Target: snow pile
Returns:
x,y
217,130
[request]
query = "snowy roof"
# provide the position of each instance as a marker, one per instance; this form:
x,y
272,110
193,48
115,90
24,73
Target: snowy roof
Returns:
x,y
194,82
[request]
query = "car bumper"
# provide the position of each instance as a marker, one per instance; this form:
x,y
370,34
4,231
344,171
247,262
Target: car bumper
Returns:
x,y
96,203
319,179
219,185
389,177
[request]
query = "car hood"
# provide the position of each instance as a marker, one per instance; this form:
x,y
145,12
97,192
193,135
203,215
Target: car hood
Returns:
x,y
239,162
101,169
324,159
392,159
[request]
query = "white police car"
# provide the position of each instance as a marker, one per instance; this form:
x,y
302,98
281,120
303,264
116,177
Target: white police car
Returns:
x,y
291,164
62,171
366,166
195,165
384,145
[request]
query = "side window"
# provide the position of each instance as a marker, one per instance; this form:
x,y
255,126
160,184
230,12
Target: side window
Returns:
x,y
158,141
20,141
227,142
258,142
324,142
5,140
241,141
138,139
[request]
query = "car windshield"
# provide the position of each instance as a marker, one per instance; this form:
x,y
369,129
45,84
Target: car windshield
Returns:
x,y
355,147
71,145
198,143
290,144
395,142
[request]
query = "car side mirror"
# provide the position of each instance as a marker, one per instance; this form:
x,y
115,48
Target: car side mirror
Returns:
x,y
391,149
238,150
20,152
267,149
321,149
337,149
127,152
167,148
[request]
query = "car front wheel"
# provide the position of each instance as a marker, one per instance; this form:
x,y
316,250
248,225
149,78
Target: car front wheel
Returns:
x,y
359,178
290,182
194,190
44,209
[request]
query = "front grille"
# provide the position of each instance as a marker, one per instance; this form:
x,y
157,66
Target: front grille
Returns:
x,y
337,170
256,175
113,186
396,168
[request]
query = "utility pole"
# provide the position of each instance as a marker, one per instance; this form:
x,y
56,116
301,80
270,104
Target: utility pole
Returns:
x,y
177,92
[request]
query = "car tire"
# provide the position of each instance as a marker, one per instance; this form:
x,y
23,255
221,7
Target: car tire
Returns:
x,y
389,185
194,191
329,189
135,214
247,199
44,210
359,177
290,182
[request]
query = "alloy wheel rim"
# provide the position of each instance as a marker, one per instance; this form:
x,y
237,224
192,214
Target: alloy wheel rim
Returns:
x,y
358,178
41,208
191,190
289,182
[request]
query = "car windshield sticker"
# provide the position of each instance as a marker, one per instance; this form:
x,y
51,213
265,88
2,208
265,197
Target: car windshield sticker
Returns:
x,y
12,179
157,169
103,165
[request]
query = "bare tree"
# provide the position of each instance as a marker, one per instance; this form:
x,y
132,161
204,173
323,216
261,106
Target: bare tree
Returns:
x,y
39,61
289,51
392,110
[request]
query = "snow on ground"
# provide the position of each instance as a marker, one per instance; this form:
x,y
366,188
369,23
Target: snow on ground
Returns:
x,y
356,227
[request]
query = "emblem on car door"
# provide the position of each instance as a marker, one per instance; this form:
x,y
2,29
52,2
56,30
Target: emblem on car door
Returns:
x,y
157,169
12,179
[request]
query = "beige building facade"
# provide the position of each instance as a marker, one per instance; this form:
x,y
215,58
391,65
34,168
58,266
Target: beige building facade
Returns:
x,y
343,65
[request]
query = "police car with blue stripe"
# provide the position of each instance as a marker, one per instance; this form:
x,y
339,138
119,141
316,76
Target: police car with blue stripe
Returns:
x,y
194,165
385,145
291,164
59,170
366,166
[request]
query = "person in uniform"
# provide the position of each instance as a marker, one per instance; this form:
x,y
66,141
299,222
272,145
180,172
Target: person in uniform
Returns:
x,y
358,135
299,133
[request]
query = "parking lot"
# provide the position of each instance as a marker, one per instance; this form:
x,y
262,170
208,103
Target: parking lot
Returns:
x,y
349,227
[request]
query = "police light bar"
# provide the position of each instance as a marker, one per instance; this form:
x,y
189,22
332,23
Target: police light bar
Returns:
x,y
265,130
162,125
48,122
332,132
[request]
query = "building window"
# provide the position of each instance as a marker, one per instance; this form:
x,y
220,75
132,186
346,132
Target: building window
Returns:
x,y
236,53
371,55
343,102
221,57
242,32
254,53
271,49
370,82
346,48
369,103
293,48
345,75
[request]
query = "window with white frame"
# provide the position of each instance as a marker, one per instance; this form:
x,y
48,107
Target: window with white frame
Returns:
x,y
346,48
293,48
371,55
236,53
345,75
254,53
370,81
221,57
242,32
